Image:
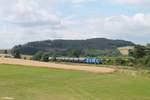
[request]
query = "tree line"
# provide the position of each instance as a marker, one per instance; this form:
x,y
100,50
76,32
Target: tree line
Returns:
x,y
141,55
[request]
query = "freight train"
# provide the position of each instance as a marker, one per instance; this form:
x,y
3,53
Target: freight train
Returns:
x,y
77,60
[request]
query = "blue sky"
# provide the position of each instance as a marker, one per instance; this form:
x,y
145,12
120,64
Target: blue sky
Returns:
x,y
22,21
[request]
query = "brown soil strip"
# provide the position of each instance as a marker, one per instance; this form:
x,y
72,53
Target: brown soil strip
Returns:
x,y
59,66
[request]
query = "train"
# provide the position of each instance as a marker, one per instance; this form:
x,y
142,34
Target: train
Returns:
x,y
77,60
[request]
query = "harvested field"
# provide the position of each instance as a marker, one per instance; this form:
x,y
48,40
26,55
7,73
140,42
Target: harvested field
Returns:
x,y
59,66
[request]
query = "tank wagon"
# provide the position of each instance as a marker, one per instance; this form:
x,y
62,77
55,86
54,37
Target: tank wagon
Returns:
x,y
77,60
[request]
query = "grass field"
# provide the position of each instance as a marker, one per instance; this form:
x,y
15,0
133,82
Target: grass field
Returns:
x,y
30,83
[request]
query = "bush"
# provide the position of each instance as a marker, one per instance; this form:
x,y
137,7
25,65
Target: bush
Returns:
x,y
107,61
138,52
120,61
147,61
16,53
38,56
131,62
123,61
45,57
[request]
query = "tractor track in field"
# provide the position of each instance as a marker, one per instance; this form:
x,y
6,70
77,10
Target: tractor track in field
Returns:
x,y
57,66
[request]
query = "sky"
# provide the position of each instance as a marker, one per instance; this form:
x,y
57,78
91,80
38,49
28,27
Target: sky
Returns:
x,y
22,21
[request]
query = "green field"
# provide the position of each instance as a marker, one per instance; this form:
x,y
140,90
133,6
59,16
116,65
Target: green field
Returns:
x,y
29,83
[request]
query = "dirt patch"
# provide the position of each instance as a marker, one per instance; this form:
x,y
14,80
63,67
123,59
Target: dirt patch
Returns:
x,y
7,98
53,65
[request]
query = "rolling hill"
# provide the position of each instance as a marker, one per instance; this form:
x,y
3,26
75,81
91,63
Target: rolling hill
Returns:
x,y
95,43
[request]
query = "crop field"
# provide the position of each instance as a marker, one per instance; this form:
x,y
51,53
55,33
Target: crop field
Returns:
x,y
30,83
93,69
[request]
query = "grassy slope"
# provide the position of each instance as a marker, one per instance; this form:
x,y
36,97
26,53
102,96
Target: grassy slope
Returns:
x,y
28,83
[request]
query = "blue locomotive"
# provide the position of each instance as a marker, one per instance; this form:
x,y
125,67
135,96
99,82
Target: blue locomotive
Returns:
x,y
92,61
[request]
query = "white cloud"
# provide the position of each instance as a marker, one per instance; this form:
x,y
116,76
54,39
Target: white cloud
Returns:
x,y
122,26
134,27
29,20
26,20
132,2
78,1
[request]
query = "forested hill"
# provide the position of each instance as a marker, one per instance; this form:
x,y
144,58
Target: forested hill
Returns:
x,y
95,43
